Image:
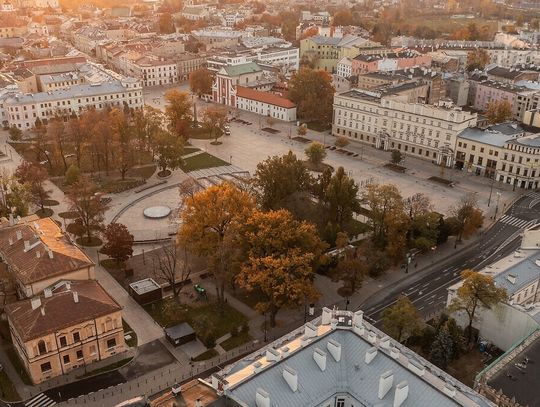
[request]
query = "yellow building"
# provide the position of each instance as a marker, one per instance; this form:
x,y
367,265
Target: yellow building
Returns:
x,y
38,254
71,325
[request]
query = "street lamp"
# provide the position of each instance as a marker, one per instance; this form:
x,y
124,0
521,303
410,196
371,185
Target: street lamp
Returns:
x,y
491,189
497,205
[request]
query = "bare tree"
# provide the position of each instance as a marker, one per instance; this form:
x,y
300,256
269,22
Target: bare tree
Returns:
x,y
171,265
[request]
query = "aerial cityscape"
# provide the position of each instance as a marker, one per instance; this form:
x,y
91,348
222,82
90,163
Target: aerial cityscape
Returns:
x,y
236,203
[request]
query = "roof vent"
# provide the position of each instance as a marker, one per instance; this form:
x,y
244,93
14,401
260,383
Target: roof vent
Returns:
x,y
372,337
18,233
416,367
385,383
449,390
262,398
10,241
310,330
385,342
35,303
335,349
394,352
291,377
272,355
402,391
42,311
285,351
75,296
48,293
370,355
511,278
26,245
358,318
50,253
320,358
257,367
326,316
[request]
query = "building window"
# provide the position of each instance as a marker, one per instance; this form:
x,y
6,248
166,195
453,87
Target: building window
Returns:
x,y
41,347
76,337
340,402
46,367
111,343
63,341
66,359
79,354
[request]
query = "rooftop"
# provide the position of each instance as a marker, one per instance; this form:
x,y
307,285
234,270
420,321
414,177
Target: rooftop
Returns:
x,y
145,286
265,97
67,304
340,354
38,250
242,69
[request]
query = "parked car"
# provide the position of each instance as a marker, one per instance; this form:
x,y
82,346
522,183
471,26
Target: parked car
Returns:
x,y
176,389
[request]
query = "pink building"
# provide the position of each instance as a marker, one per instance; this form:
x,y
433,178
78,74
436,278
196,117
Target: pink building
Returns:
x,y
389,62
520,98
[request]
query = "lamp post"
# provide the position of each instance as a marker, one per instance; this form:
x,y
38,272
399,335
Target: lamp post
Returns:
x,y
497,206
491,189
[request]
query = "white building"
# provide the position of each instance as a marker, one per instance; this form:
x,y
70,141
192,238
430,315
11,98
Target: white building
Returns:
x,y
23,110
152,71
339,360
195,13
387,121
287,59
344,68
265,104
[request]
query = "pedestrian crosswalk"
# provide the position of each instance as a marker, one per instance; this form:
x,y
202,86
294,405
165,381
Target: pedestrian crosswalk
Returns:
x,y
535,199
517,222
41,400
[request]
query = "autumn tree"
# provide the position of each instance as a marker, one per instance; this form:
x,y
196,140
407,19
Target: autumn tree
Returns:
x,y
313,93
118,242
169,150
56,135
166,24
34,176
84,199
341,142
147,126
200,82
341,200
402,319
499,111
477,291
477,59
351,267
214,120
466,218
442,348
281,253
396,156
301,130
316,153
178,112
343,17
122,141
388,220
279,179
79,134
15,134
211,220
14,195
423,232
171,265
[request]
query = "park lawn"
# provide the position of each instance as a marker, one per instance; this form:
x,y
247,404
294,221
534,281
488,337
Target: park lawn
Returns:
x,y
235,341
128,330
200,134
317,126
209,354
202,161
7,388
222,318
189,150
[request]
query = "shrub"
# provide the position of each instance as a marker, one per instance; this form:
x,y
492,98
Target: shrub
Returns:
x,y
341,142
72,175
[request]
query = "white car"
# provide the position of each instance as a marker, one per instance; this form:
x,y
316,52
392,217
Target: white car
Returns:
x,y
176,389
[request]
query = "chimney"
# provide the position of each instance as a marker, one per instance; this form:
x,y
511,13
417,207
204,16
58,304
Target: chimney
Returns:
x,y
370,355
26,245
291,377
198,403
257,367
385,342
18,233
385,383
272,355
68,285
394,352
35,302
310,330
11,220
48,293
42,311
50,253
10,241
326,316
262,398
320,358
402,391
75,296
335,349
449,390
358,318
372,337
416,367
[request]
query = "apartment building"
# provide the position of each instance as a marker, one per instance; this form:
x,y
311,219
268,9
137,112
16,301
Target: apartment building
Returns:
x,y
152,71
73,324
521,98
265,103
37,254
344,67
389,120
23,110
503,152
339,360
187,63
510,75
391,61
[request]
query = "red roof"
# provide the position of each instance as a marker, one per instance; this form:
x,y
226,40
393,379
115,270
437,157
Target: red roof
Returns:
x,y
265,97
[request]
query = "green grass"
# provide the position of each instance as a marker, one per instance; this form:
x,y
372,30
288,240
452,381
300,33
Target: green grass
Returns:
x,y
142,172
209,354
235,341
200,133
127,329
8,392
108,368
222,318
201,161
116,186
18,365
189,150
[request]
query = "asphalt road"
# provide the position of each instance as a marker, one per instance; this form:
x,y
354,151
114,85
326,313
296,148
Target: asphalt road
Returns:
x,y
427,289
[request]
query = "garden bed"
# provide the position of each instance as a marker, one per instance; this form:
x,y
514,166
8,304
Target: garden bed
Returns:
x,y
395,167
318,126
443,181
317,168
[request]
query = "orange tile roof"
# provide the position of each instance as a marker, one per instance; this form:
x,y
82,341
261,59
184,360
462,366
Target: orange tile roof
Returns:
x,y
264,97
60,311
36,264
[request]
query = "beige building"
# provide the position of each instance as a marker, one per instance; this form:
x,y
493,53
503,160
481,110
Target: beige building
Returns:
x,y
391,120
37,255
71,325
503,152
